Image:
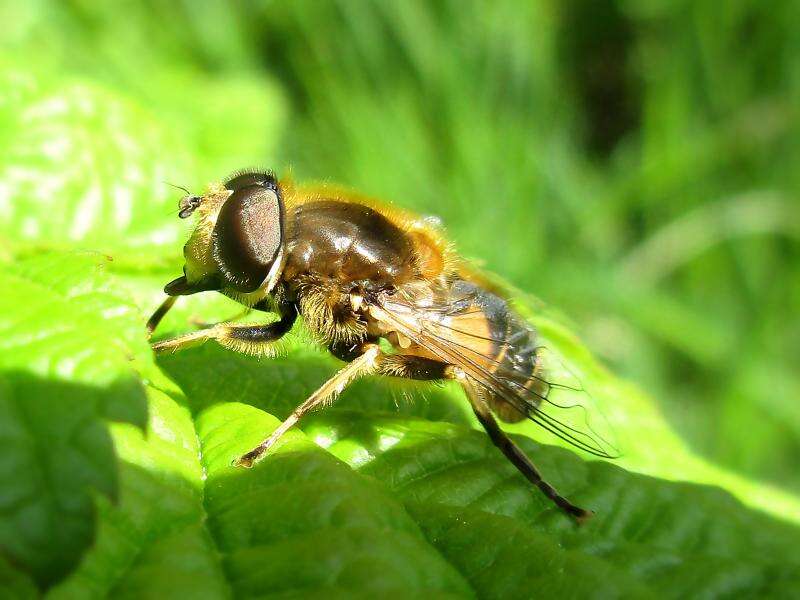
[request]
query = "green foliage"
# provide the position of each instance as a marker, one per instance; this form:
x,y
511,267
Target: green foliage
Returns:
x,y
639,157
68,341
115,469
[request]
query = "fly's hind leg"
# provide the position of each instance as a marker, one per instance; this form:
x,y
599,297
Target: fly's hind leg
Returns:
x,y
366,362
409,366
513,452
421,368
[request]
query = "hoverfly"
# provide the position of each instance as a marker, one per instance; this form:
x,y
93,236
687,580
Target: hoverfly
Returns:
x,y
359,271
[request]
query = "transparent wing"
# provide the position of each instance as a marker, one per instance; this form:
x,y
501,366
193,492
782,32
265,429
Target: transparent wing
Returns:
x,y
477,331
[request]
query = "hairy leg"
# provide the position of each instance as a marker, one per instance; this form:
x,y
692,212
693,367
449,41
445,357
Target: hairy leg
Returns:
x,y
366,362
421,368
250,339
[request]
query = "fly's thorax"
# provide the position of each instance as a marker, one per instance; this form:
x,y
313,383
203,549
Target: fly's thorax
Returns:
x,y
348,242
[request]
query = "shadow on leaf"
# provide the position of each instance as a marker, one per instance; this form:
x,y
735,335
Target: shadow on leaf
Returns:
x,y
210,374
56,455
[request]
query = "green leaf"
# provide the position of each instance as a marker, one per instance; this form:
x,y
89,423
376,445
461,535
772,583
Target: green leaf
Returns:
x,y
15,584
320,528
115,472
675,538
300,522
153,540
68,346
434,509
79,164
672,534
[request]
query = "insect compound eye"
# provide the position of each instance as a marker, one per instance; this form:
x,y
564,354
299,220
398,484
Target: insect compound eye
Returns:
x,y
247,178
247,236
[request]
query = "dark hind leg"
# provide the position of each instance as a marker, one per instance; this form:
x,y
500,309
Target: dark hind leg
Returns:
x,y
421,368
513,452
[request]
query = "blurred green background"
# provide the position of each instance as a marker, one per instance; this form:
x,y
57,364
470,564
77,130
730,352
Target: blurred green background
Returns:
x,y
634,164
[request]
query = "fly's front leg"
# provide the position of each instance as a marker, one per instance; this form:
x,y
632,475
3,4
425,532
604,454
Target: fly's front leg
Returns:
x,y
367,361
159,313
175,288
250,339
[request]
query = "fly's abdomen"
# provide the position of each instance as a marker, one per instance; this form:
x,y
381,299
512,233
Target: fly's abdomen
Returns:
x,y
520,365
496,341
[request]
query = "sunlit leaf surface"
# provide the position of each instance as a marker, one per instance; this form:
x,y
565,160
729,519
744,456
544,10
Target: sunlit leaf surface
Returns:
x,y
115,468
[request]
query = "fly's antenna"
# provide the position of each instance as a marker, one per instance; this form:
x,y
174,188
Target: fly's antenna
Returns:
x,y
179,187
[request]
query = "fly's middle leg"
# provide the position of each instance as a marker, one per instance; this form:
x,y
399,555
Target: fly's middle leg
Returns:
x,y
250,339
